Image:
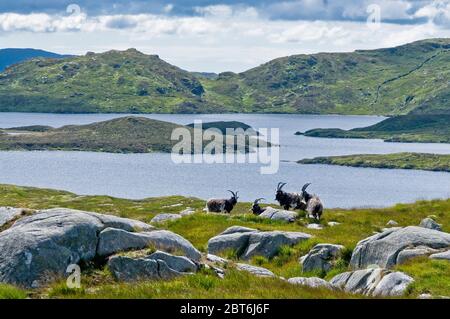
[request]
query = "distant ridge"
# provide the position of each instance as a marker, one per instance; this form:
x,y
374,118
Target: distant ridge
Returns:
x,y
12,56
408,79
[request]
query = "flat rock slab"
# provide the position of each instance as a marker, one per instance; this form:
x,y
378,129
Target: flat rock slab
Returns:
x,y
312,282
247,242
444,255
376,282
161,218
134,269
383,249
8,214
279,214
254,270
37,249
178,263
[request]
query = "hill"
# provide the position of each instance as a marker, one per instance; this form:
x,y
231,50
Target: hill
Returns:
x,y
122,135
407,128
428,162
124,82
412,78
9,57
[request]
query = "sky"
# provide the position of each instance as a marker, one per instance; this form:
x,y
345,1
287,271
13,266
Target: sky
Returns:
x,y
221,35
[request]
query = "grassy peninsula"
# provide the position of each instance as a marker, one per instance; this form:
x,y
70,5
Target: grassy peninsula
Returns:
x,y
405,129
428,162
431,276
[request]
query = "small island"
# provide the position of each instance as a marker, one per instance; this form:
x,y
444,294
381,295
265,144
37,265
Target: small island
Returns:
x,y
418,161
122,135
405,129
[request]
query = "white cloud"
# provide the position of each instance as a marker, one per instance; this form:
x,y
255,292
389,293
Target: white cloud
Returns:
x,y
438,12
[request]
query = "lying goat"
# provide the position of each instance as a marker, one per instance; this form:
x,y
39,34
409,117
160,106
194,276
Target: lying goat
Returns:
x,y
256,209
313,204
289,200
222,205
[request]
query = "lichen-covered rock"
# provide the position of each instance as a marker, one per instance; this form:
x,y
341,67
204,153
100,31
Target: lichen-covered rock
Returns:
x,y
254,270
383,249
134,269
321,257
314,226
247,242
161,218
113,240
430,224
267,244
8,214
373,282
279,214
444,255
411,253
187,212
38,248
178,263
392,223
312,282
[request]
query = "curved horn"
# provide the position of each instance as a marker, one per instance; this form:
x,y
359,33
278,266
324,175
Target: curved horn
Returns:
x,y
232,193
282,185
305,187
258,200
278,186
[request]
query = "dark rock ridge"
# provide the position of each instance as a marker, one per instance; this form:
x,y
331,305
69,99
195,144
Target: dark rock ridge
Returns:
x,y
37,249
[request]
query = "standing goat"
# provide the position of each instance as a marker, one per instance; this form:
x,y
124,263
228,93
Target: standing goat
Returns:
x,y
256,209
314,206
289,200
222,205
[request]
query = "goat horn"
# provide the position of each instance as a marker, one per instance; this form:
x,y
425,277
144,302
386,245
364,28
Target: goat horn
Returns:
x,y
305,187
257,201
232,193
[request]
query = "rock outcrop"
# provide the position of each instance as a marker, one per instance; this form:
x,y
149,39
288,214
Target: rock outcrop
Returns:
x,y
247,242
9,214
279,214
312,282
254,270
112,240
321,257
161,218
430,224
376,282
444,255
37,249
384,249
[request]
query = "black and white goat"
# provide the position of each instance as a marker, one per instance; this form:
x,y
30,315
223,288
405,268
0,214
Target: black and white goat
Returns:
x,y
256,209
289,200
222,205
314,206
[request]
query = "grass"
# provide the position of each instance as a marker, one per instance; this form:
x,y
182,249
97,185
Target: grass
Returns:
x,y
429,162
198,228
10,292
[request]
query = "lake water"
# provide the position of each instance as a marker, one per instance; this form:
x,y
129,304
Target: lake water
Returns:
x,y
146,175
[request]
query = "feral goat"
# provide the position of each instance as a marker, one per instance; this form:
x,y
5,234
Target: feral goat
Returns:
x,y
222,205
289,200
256,209
314,206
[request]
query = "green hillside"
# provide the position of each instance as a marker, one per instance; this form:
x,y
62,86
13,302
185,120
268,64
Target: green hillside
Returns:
x,y
406,128
412,78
